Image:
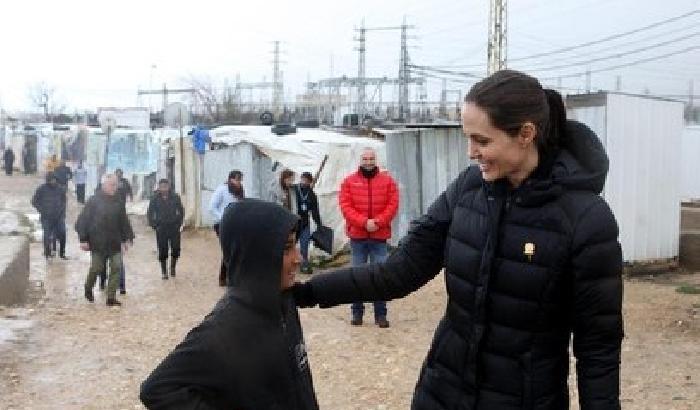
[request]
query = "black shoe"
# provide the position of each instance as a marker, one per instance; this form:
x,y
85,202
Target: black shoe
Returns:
x,y
356,321
163,270
122,291
113,302
88,294
64,257
381,322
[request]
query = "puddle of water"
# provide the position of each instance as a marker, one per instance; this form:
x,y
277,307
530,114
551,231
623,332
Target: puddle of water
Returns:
x,y
9,328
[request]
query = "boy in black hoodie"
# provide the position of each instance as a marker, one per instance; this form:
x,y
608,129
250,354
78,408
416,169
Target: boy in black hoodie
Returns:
x,y
249,352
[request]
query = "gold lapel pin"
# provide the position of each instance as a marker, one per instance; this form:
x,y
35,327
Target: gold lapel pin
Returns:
x,y
529,250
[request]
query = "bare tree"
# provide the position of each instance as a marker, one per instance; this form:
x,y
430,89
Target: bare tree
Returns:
x,y
205,96
43,95
218,104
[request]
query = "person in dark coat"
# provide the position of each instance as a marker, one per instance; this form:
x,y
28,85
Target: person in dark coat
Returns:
x,y
63,174
50,200
530,254
249,352
9,158
104,229
165,215
28,158
306,203
124,190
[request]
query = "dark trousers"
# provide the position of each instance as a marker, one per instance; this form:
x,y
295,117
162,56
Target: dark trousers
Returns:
x,y
8,169
222,269
54,228
80,192
168,236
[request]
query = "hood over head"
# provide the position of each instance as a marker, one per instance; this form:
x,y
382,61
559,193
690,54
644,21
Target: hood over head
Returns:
x,y
253,234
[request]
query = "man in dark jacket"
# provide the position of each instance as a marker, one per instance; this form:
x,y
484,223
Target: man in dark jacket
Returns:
x,y
306,203
249,352
50,200
9,158
165,214
105,231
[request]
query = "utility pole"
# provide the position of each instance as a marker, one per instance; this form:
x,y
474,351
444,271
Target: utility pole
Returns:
x,y
588,81
618,83
497,45
691,85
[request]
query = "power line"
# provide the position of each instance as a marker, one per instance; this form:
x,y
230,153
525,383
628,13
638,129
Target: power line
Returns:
x,y
615,67
608,38
633,42
443,71
617,55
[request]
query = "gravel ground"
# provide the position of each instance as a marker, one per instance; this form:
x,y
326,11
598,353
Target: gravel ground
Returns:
x,y
60,352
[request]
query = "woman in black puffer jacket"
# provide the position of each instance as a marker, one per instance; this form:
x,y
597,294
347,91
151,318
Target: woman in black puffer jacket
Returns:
x,y
531,258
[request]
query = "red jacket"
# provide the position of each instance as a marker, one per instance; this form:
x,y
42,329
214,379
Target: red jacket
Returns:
x,y
364,198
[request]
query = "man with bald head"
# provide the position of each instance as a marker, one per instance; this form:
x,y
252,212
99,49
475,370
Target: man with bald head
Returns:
x,y
369,200
104,230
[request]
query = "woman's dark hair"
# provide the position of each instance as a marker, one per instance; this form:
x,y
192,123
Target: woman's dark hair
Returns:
x,y
286,173
510,98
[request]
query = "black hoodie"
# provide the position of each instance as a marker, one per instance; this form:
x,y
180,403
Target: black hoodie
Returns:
x,y
249,352
525,269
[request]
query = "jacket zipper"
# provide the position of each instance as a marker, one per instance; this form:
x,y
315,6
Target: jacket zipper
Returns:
x,y
369,211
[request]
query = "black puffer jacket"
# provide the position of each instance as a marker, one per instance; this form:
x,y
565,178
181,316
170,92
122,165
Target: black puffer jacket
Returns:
x,y
524,269
249,352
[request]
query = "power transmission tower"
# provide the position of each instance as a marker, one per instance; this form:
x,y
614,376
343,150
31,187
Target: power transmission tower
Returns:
x,y
164,92
278,85
404,79
361,90
497,47
404,73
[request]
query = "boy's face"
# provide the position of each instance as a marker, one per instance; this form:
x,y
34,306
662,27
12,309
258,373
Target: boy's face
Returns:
x,y
291,259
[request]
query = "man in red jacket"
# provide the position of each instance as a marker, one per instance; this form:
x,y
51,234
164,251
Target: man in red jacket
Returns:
x,y
369,200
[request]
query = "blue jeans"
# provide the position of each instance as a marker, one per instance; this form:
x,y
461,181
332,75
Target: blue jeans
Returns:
x,y
372,251
304,241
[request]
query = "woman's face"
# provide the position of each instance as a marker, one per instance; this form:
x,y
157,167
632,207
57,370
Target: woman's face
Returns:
x,y
497,154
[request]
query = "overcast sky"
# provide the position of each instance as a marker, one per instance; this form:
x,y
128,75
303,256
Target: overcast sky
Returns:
x,y
98,53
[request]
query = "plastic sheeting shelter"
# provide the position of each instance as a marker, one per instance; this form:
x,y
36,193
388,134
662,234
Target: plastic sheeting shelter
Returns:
x,y
642,137
261,156
133,151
